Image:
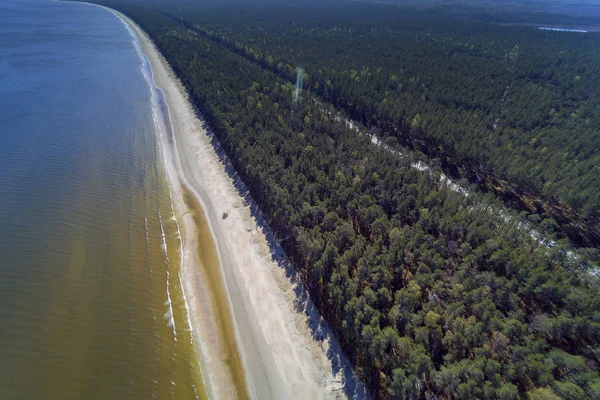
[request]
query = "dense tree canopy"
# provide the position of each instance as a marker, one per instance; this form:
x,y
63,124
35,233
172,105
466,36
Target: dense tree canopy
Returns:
x,y
430,294
513,108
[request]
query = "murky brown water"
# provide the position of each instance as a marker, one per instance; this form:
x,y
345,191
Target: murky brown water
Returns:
x,y
91,301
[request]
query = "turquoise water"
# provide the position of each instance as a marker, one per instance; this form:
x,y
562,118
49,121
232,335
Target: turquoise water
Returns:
x,y
91,304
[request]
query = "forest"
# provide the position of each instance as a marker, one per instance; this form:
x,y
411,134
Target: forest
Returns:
x,y
430,294
511,108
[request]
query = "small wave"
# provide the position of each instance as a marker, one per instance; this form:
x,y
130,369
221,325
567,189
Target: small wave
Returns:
x,y
187,309
169,303
169,313
164,238
146,229
161,121
185,303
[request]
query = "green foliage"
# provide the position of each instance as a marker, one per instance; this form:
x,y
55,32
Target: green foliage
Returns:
x,y
507,392
569,390
542,394
513,108
428,295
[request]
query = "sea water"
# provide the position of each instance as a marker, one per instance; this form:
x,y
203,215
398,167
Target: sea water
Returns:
x,y
91,305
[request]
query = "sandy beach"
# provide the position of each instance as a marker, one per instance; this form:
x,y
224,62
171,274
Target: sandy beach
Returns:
x,y
286,351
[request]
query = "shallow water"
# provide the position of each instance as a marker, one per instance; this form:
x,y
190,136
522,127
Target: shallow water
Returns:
x,y
91,302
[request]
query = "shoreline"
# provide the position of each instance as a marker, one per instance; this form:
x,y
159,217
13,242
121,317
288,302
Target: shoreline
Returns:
x,y
286,350
219,378
187,180
207,299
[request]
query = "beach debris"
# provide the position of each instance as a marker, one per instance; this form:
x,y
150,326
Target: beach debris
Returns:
x,y
225,215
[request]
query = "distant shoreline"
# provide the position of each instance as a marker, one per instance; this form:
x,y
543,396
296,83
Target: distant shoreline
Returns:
x,y
546,28
581,29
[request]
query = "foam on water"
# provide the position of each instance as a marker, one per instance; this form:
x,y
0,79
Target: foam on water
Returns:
x,y
160,125
163,237
169,303
181,258
161,120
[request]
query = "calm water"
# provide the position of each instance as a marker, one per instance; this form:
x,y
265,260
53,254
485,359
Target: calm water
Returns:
x,y
91,304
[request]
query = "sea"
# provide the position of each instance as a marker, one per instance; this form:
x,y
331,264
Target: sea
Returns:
x,y
91,299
